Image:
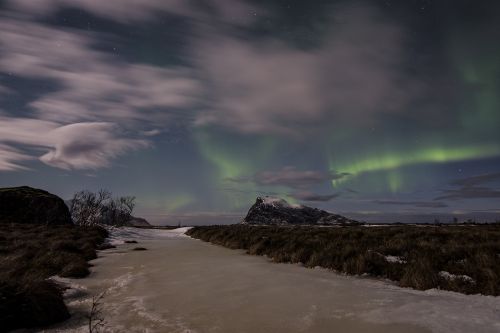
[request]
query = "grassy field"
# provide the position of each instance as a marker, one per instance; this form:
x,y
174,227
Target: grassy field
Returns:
x,y
464,258
29,254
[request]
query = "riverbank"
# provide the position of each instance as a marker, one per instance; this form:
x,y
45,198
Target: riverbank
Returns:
x,y
465,259
31,254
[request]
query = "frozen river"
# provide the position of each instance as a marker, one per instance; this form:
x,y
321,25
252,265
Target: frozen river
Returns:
x,y
184,285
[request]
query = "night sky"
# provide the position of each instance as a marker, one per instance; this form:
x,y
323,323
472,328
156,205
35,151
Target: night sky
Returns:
x,y
367,108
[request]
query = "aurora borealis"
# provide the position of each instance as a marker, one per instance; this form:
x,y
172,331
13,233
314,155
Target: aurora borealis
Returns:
x,y
196,107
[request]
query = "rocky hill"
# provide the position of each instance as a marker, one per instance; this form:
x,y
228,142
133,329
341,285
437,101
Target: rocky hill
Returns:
x,y
138,222
30,205
274,211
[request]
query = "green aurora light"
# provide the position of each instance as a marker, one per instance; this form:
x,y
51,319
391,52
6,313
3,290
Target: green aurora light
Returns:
x,y
393,161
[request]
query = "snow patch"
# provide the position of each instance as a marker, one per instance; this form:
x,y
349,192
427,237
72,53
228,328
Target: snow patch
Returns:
x,y
395,259
118,236
137,305
452,277
72,289
278,202
121,282
180,231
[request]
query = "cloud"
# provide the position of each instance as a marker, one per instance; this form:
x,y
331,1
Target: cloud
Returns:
x,y
74,146
4,90
97,102
91,85
420,204
87,146
256,192
469,188
152,132
9,158
469,192
310,196
120,10
248,85
95,87
134,11
477,180
290,177
266,85
303,195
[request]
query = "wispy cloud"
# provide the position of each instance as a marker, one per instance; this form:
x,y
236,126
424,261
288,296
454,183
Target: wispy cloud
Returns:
x,y
470,188
4,91
420,204
94,87
74,146
98,103
152,132
91,85
134,11
267,85
10,158
477,180
261,85
88,146
469,192
290,177
313,197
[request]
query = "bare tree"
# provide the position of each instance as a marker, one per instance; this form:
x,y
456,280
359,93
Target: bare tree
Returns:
x,y
86,207
95,319
126,208
118,211
89,208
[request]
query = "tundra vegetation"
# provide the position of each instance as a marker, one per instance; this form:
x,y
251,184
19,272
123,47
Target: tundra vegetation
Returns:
x,y
29,255
33,250
462,258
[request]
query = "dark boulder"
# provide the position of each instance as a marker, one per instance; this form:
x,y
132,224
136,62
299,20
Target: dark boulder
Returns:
x,y
29,205
273,211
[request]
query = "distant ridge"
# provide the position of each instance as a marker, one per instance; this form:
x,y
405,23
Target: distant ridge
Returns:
x,y
276,211
138,222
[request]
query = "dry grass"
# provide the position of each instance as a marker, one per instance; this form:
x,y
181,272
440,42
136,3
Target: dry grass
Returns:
x,y
419,257
29,254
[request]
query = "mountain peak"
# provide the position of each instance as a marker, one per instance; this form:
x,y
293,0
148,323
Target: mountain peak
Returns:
x,y
277,211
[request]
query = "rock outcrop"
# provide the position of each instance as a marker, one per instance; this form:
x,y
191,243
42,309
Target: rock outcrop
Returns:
x,y
274,211
29,205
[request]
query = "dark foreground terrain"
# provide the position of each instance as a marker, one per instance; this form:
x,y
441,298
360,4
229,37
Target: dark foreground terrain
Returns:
x,y
464,258
29,254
